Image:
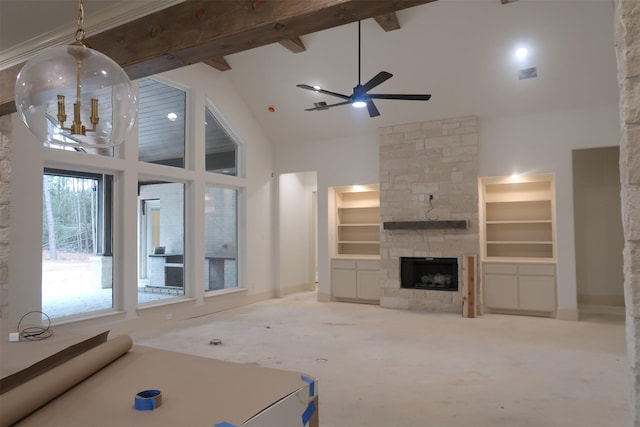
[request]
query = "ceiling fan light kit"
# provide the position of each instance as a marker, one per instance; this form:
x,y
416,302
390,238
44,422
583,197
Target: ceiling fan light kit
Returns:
x,y
360,97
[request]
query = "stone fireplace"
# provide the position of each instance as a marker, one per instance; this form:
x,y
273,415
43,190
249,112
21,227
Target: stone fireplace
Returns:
x,y
429,209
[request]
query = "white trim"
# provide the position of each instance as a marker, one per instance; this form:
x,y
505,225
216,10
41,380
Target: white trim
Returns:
x,y
570,314
108,18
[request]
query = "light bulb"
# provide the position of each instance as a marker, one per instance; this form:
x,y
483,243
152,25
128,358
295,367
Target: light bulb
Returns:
x,y
522,53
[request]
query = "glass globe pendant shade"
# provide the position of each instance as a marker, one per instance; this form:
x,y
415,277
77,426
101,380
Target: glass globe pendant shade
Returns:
x,y
76,96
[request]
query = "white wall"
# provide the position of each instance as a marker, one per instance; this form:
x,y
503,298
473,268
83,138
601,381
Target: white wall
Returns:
x,y
337,162
536,143
205,85
296,222
25,224
544,143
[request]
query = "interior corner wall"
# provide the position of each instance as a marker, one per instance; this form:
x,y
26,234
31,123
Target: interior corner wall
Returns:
x,y
344,161
544,143
296,219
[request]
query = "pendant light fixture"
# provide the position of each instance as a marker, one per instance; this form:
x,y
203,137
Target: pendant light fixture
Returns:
x,y
93,88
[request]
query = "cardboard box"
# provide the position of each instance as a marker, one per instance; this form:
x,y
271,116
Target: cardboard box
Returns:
x,y
196,391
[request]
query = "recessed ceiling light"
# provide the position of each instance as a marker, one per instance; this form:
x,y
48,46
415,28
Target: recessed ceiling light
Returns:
x,y
522,53
316,87
172,116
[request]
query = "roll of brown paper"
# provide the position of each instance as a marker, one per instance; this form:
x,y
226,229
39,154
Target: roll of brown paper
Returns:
x,y
26,398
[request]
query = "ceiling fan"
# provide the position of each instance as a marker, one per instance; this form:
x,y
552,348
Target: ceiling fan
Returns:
x,y
361,96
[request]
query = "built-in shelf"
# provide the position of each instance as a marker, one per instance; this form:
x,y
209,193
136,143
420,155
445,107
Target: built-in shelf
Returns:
x,y
518,244
425,225
357,221
518,218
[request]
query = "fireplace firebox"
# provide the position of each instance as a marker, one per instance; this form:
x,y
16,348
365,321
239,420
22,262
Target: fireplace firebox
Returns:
x,y
437,274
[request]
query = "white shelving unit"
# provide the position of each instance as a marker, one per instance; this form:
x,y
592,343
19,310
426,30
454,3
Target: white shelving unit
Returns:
x,y
358,222
518,243
519,218
355,233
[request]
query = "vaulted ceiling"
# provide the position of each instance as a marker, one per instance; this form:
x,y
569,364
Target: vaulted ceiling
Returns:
x,y
460,51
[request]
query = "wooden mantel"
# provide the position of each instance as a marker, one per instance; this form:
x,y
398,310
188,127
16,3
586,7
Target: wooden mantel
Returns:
x,y
425,225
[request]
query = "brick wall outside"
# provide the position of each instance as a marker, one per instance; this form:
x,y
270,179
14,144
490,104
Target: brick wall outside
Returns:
x,y
171,197
438,158
221,230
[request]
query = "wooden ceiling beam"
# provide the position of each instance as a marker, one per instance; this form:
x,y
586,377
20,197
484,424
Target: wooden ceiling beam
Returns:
x,y
295,45
195,31
219,63
388,21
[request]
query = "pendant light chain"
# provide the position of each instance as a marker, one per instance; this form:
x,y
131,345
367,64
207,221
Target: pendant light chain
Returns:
x,y
80,33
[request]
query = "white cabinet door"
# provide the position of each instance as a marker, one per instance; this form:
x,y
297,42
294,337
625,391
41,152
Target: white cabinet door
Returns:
x,y
355,279
344,283
537,293
501,291
368,284
529,287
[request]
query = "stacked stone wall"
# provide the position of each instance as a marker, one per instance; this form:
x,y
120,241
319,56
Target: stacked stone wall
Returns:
x,y
5,196
627,34
419,160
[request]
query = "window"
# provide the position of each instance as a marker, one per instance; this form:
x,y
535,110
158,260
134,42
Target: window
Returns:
x,y
118,232
76,249
221,238
221,149
161,123
161,241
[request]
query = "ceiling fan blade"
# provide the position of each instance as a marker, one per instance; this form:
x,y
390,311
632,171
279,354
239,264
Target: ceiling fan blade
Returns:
x,y
373,111
319,106
326,92
399,96
379,78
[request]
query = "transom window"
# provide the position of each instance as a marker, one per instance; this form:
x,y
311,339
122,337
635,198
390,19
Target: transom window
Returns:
x,y
161,123
221,149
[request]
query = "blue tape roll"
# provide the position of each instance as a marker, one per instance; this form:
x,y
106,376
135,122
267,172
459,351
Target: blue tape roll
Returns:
x,y
148,400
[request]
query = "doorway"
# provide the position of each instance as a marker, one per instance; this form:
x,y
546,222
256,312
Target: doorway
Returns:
x,y
297,232
150,231
598,228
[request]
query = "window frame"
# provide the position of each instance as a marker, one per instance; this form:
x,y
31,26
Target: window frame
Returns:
x,y
104,222
127,169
